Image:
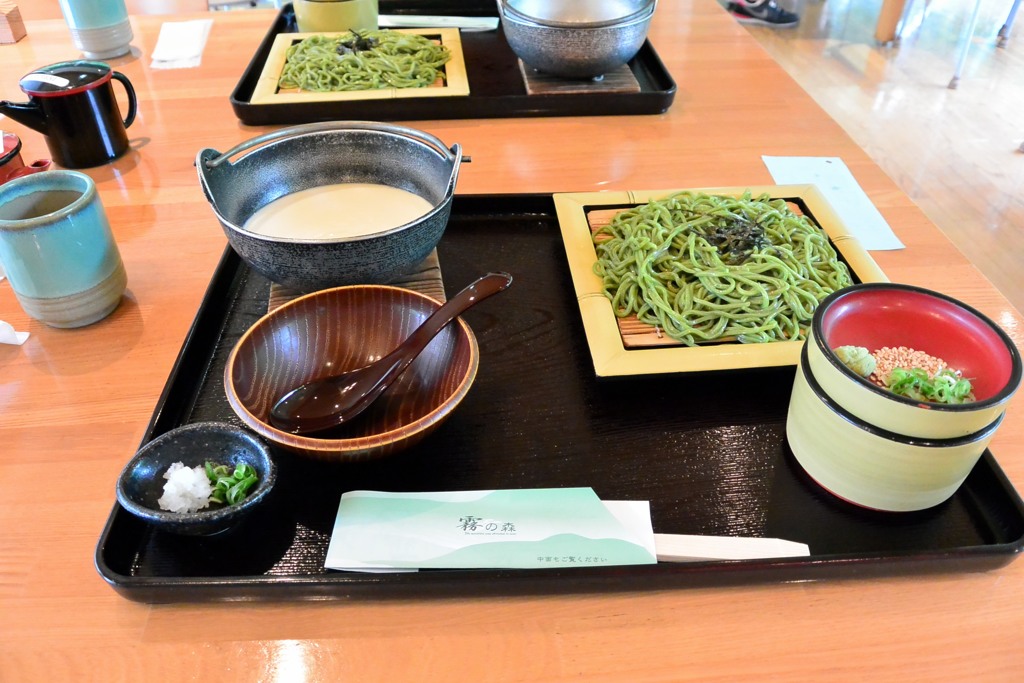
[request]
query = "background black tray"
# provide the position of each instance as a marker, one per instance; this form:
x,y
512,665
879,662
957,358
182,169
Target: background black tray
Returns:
x,y
495,82
707,450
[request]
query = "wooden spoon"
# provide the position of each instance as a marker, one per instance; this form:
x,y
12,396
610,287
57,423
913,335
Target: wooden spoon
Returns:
x,y
330,401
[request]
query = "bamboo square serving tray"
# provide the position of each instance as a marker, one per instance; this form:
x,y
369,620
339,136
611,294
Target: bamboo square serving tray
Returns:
x,y
454,84
709,453
625,346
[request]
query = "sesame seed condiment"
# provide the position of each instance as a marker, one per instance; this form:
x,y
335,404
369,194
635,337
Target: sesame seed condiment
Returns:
x,y
888,358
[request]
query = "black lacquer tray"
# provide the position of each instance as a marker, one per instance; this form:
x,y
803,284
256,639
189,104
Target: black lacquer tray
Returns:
x,y
708,450
495,81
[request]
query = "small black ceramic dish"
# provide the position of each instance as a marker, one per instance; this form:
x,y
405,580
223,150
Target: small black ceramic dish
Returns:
x,y
141,483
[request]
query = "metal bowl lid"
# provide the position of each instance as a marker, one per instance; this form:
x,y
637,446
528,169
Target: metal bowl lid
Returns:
x,y
65,78
579,13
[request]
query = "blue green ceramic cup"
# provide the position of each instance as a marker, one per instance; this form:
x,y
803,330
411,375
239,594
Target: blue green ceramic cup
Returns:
x,y
57,249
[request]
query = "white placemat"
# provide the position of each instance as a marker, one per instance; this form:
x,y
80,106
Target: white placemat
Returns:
x,y
842,191
181,44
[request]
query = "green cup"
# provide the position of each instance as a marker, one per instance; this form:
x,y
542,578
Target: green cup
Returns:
x,y
57,249
335,16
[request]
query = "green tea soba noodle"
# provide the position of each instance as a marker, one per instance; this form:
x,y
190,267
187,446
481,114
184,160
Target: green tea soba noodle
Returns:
x,y
363,61
704,268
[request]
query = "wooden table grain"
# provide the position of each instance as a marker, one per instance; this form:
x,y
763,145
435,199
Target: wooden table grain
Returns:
x,y
74,406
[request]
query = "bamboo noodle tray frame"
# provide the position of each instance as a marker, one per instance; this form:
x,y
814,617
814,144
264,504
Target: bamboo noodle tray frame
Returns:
x,y
454,84
626,346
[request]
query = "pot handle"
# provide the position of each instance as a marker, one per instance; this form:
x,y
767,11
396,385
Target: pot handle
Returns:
x,y
457,160
295,131
204,168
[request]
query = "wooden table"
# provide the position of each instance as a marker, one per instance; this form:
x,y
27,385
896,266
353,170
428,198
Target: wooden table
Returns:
x,y
74,406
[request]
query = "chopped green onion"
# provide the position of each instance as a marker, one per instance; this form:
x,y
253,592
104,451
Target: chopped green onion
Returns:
x,y
945,387
230,486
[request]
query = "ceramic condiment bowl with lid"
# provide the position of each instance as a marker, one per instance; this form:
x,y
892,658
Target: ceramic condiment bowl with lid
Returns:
x,y
869,466
878,315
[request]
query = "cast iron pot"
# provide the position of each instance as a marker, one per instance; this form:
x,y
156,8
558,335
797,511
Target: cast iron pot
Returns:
x,y
242,180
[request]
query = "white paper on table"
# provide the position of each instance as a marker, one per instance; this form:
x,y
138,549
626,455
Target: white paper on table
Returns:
x,y
8,335
181,44
842,191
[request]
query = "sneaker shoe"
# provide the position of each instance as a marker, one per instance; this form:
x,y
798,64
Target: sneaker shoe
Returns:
x,y
765,14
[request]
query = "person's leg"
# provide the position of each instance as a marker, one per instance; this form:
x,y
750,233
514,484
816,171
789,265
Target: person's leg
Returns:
x,y
763,12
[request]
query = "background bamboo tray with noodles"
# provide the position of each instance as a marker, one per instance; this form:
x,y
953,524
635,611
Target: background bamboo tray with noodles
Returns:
x,y
626,346
454,84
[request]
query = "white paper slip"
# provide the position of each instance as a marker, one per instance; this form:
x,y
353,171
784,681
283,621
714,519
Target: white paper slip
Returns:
x,y
518,529
842,191
8,335
181,44
633,515
682,548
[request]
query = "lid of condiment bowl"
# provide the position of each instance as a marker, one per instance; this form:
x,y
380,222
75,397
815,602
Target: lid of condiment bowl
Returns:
x,y
12,146
65,78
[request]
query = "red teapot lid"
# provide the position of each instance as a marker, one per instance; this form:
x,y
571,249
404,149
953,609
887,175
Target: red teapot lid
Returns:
x,y
66,78
12,147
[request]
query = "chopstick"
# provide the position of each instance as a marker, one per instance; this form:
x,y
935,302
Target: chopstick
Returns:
x,y
683,548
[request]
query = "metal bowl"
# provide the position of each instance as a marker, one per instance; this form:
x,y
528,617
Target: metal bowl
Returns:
x,y
579,13
575,50
242,180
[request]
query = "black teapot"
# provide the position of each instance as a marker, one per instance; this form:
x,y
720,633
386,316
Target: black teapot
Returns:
x,y
73,105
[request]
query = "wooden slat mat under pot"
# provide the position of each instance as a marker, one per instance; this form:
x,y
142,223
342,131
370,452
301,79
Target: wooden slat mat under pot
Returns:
x,y
425,279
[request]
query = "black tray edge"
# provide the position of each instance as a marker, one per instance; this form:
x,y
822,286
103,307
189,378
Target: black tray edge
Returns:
x,y
651,102
541,582
448,584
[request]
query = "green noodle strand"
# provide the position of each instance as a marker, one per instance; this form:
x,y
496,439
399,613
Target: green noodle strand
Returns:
x,y
397,60
705,268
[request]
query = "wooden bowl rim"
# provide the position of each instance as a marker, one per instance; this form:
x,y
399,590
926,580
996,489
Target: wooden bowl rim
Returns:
x,y
362,443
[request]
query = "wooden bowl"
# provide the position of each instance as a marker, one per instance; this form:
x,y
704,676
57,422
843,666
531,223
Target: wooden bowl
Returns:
x,y
340,329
